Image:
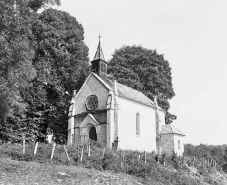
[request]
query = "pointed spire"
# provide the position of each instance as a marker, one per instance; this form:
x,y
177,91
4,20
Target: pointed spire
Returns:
x,y
99,53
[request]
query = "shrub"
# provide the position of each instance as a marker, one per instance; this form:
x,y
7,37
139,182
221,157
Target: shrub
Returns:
x,y
224,168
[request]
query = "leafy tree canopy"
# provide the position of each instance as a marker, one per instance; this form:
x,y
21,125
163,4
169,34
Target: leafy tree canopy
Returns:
x,y
145,70
35,5
61,61
43,58
16,53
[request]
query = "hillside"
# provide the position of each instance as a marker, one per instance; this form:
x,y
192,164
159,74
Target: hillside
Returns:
x,y
16,168
21,172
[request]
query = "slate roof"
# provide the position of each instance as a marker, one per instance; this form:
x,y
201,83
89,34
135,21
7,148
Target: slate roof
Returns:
x,y
131,94
170,129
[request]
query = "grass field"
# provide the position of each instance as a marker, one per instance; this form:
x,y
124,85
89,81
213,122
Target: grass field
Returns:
x,y
121,167
29,173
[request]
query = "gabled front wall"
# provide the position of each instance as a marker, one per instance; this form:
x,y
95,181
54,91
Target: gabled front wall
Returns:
x,y
93,87
127,126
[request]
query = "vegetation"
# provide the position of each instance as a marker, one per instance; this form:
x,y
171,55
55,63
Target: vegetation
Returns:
x,y
217,153
123,162
42,60
145,70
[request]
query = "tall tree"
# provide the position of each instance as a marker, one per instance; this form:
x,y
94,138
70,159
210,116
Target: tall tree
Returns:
x,y
61,61
146,71
16,69
16,53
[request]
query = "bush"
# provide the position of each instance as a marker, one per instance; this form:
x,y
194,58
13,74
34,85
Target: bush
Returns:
x,y
224,168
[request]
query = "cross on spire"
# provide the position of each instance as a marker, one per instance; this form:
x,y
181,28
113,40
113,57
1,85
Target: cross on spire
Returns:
x,y
99,53
99,37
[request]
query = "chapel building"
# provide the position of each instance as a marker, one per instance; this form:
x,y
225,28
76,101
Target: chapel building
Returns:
x,y
114,115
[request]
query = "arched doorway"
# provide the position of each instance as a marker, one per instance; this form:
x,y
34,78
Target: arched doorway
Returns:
x,y
92,134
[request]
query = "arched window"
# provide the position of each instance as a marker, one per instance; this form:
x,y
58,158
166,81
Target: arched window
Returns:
x,y
178,144
137,124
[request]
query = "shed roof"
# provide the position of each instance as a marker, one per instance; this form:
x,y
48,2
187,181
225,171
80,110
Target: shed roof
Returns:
x,y
170,129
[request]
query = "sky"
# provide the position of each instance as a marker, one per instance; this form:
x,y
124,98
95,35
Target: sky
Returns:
x,y
192,35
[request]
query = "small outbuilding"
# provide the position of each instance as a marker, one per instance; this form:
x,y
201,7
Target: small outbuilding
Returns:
x,y
172,140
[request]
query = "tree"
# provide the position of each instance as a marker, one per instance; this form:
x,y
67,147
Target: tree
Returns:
x,y
35,5
16,53
145,70
16,69
61,61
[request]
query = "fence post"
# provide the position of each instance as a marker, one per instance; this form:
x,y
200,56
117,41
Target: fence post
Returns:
x,y
36,147
145,157
82,152
78,152
23,143
66,153
89,149
103,152
52,153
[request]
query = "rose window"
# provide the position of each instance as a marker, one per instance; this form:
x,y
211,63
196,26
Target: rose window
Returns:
x,y
92,102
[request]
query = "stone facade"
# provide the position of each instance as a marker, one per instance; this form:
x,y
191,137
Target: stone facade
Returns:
x,y
167,144
172,140
92,87
172,143
102,135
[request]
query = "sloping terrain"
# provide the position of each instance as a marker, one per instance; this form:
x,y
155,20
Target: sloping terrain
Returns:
x,y
28,173
115,167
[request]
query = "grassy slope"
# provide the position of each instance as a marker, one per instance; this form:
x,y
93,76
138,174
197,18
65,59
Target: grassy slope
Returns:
x,y
40,170
20,172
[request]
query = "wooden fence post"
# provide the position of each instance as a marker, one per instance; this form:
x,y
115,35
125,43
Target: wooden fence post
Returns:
x,y
52,153
82,152
35,150
89,149
23,144
103,152
66,153
145,157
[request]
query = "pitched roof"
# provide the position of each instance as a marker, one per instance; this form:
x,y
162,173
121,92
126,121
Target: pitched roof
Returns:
x,y
130,93
134,95
170,129
99,53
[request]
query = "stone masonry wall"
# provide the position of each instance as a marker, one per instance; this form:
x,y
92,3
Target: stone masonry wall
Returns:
x,y
167,143
76,136
102,137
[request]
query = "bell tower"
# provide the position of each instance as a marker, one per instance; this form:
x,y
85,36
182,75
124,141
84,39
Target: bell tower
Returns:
x,y
99,65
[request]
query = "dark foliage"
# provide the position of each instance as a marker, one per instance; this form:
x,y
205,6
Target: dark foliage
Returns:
x,y
217,153
145,70
43,59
